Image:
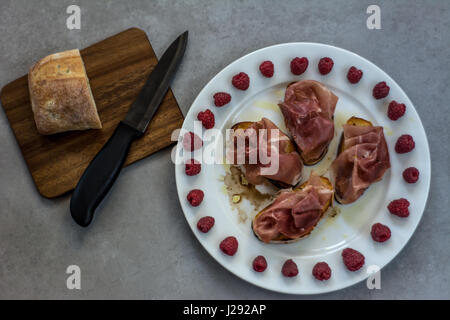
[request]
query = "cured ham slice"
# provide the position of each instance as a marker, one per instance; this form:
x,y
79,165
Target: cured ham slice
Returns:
x,y
308,110
363,160
278,147
294,213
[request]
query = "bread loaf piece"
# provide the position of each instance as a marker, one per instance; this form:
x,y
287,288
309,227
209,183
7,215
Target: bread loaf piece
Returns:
x,y
60,94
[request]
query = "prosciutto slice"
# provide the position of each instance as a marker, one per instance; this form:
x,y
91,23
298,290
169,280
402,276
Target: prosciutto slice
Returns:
x,y
363,161
290,165
308,110
294,213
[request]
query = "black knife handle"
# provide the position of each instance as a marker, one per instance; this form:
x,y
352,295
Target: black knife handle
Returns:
x,y
101,174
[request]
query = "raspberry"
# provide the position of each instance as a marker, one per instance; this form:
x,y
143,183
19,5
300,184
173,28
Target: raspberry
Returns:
x,y
411,175
289,269
299,65
353,259
354,75
205,224
381,90
241,81
191,141
266,69
321,271
195,197
193,167
207,118
221,99
259,264
399,207
404,144
229,246
325,65
396,110
380,232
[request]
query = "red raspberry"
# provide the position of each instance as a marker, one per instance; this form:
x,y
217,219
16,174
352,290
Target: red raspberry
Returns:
x,y
325,65
241,81
353,259
405,144
411,175
380,232
354,75
221,99
299,65
266,69
191,141
207,118
321,271
399,207
381,90
195,197
396,110
229,246
259,264
193,167
289,269
205,224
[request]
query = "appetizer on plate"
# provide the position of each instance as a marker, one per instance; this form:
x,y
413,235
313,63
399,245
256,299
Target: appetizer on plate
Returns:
x,y
60,94
279,147
363,158
294,213
308,110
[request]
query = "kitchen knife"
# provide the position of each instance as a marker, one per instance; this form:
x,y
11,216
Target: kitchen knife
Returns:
x,y
104,169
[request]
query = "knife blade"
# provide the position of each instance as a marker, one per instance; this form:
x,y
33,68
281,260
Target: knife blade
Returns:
x,y
146,104
104,169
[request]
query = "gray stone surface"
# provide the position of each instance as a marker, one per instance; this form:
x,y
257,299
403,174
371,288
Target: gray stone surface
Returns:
x,y
140,245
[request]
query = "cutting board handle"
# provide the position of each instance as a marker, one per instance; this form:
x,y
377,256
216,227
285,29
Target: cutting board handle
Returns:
x,y
101,173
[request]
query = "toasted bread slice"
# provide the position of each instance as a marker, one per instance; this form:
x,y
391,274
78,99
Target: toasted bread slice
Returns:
x,y
354,121
284,239
314,161
290,147
242,125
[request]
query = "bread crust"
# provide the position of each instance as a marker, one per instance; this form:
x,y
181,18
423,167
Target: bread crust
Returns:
x,y
60,94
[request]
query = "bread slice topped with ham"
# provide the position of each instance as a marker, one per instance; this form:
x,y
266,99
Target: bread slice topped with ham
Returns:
x,y
294,213
278,147
363,158
308,110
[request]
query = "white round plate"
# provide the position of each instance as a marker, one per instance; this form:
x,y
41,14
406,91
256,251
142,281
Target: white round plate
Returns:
x,y
351,227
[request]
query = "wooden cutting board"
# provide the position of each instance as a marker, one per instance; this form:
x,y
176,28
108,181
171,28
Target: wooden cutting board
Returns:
x,y
117,68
